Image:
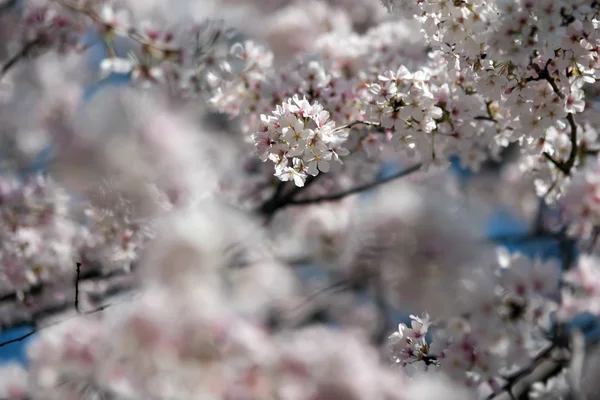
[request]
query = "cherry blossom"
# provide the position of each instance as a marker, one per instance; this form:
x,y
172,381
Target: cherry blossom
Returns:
x,y
230,223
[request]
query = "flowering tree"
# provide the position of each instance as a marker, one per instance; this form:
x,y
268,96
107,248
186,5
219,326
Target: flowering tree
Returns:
x,y
219,227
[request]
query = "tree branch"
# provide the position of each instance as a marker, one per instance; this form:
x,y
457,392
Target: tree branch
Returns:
x,y
383,308
24,52
544,74
37,328
573,154
91,274
357,189
20,338
566,166
512,379
78,271
280,200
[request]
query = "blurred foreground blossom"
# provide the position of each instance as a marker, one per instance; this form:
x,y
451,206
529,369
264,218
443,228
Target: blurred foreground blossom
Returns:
x,y
224,223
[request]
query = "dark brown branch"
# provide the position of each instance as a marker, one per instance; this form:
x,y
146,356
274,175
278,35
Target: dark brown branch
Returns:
x,y
281,199
556,163
77,277
270,205
544,74
383,309
566,166
37,329
24,52
512,379
484,118
358,189
19,339
90,274
573,154
45,306
560,341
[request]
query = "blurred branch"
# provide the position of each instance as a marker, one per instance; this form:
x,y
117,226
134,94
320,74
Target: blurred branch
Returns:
x,y
37,328
383,308
544,74
281,199
117,285
576,365
565,351
90,274
566,166
23,53
7,5
78,272
19,339
522,373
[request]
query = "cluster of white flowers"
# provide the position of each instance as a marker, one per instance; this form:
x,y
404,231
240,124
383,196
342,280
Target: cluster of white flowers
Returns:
x,y
300,132
505,329
468,100
409,346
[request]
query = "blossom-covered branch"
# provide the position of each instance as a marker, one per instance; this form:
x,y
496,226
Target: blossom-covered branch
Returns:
x,y
215,183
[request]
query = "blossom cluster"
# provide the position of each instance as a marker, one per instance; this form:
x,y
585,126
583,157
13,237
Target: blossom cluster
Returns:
x,y
208,349
302,132
45,233
580,294
509,325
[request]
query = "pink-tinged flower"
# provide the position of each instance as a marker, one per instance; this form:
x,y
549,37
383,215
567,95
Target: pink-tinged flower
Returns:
x,y
296,173
114,21
419,326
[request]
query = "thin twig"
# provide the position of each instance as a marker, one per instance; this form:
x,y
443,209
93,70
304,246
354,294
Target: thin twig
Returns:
x,y
37,329
383,309
357,122
78,272
20,338
573,154
575,369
